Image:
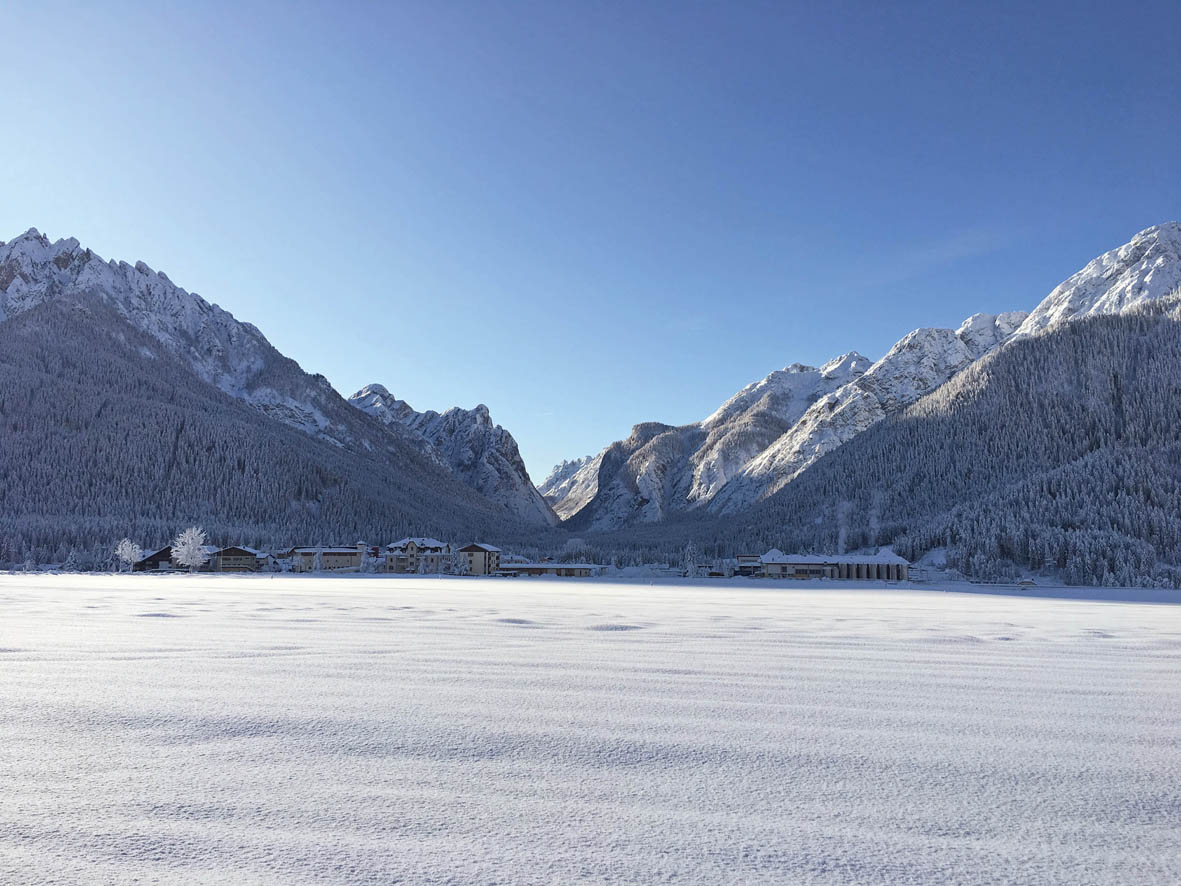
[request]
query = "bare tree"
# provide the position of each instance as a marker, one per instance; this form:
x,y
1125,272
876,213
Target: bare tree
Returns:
x,y
188,548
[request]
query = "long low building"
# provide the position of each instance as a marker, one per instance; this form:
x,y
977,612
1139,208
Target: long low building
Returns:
x,y
327,559
882,566
565,570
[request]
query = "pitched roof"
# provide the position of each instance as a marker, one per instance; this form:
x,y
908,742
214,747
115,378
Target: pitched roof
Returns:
x,y
419,542
252,551
478,545
148,555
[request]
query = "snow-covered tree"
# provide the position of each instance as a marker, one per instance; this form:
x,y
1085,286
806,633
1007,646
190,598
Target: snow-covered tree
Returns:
x,y
318,560
71,564
368,562
691,556
188,548
128,552
458,564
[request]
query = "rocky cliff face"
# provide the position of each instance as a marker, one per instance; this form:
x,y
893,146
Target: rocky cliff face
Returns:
x,y
229,354
556,485
660,470
916,365
1146,268
482,454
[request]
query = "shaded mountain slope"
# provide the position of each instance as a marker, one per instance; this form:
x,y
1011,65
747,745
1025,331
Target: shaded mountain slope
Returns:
x,y
103,433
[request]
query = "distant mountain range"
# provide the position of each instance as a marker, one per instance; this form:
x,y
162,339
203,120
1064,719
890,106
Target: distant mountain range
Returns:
x,y
770,432
130,406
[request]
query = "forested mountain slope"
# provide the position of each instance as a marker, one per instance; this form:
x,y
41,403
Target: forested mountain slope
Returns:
x,y
104,433
235,357
221,350
729,462
1060,451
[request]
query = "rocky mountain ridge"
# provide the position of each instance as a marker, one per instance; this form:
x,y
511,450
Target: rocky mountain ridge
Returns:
x,y
236,358
483,454
731,460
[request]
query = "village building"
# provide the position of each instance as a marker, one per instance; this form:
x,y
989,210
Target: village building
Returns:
x,y
328,559
417,555
160,560
482,559
564,570
238,559
882,566
749,564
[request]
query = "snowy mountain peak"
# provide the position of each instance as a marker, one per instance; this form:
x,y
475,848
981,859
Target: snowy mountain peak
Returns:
x,y
377,401
374,389
221,350
550,487
32,234
660,469
1146,268
984,331
483,454
850,364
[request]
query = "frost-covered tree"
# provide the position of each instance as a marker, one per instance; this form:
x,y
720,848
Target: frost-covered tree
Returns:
x,y
458,564
368,562
691,555
128,553
188,549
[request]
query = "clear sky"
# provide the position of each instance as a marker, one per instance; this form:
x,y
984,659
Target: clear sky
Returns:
x,y
590,214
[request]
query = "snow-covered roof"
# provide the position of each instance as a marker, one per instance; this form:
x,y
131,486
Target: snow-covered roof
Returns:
x,y
511,566
884,556
419,542
252,551
491,549
312,550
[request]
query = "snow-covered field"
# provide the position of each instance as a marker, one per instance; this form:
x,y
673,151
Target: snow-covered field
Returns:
x,y
420,730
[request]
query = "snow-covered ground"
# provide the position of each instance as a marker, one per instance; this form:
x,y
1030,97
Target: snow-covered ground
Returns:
x,y
423,730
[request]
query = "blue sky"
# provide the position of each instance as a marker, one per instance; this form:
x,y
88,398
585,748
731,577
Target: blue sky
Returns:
x,y
587,215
